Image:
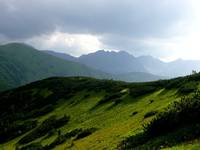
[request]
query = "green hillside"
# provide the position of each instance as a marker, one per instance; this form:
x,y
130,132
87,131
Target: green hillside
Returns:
x,y
80,113
20,64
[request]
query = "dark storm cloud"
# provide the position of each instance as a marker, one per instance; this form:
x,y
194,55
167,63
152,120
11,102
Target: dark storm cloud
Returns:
x,y
21,19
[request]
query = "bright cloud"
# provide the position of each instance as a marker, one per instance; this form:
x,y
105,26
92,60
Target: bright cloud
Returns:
x,y
74,44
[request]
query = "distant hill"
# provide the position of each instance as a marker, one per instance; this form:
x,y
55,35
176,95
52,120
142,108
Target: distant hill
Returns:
x,y
182,67
112,62
118,64
138,77
21,64
175,68
122,63
153,65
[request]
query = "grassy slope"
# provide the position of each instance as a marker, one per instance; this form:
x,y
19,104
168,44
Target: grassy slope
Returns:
x,y
114,124
20,64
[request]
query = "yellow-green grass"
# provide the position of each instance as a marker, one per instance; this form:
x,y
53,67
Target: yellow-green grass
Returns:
x,y
113,124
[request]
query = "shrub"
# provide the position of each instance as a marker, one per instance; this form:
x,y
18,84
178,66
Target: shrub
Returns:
x,y
33,146
116,98
110,97
16,129
86,96
62,138
151,101
77,133
178,122
150,113
186,111
174,83
38,112
46,126
142,90
188,87
85,133
134,113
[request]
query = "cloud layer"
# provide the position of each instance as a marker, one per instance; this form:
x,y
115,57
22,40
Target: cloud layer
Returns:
x,y
125,25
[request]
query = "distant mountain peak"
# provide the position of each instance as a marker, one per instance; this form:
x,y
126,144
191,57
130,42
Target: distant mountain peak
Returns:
x,y
109,52
112,61
123,52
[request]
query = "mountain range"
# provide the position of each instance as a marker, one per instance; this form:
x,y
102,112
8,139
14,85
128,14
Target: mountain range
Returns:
x,y
122,62
21,64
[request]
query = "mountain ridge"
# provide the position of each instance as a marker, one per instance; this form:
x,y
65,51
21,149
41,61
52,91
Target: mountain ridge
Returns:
x,y
21,64
147,64
28,65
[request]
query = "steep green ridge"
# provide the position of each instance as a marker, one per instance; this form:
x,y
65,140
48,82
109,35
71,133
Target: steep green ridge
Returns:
x,y
20,64
86,113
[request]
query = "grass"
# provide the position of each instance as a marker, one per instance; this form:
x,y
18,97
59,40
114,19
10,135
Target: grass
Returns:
x,y
113,124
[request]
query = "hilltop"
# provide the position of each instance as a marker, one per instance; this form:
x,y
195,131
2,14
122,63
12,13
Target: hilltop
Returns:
x,y
86,113
21,64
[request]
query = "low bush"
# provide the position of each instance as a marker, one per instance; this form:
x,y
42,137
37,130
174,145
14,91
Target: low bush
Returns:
x,y
174,83
151,101
38,112
181,116
46,126
134,113
16,129
150,113
86,96
142,90
180,113
77,134
110,97
85,132
33,146
188,87
142,141
115,98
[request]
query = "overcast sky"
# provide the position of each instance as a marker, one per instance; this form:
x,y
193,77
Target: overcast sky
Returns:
x,y
167,29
